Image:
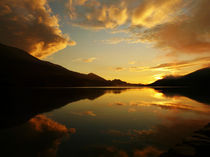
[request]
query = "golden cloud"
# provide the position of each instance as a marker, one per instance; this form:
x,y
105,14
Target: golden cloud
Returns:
x,y
31,26
160,103
41,123
96,14
177,26
153,12
182,64
170,67
187,32
40,126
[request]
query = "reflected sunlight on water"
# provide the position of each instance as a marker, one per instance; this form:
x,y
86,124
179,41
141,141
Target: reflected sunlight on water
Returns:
x,y
131,122
136,122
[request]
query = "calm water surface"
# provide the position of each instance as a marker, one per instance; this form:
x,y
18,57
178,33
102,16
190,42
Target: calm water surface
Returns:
x,y
139,122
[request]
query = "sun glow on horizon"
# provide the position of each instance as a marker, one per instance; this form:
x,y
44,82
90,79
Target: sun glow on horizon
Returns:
x,y
136,41
158,76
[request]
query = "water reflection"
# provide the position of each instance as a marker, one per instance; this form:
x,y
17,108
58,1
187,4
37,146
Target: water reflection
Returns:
x,y
198,94
40,136
19,105
109,122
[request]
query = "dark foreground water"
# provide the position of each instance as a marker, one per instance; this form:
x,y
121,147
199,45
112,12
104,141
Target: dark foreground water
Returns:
x,y
99,122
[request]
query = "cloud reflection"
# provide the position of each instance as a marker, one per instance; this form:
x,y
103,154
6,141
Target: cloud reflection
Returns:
x,y
40,136
168,99
159,138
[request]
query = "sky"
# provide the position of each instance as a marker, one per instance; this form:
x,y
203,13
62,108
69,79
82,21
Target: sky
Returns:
x,y
138,41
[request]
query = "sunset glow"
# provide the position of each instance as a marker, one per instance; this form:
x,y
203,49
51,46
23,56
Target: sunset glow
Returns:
x,y
138,41
105,78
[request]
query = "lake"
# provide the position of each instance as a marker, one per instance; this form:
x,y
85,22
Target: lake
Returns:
x,y
99,122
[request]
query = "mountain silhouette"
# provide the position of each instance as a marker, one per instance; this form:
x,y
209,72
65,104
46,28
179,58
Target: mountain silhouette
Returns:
x,y
199,78
21,69
95,77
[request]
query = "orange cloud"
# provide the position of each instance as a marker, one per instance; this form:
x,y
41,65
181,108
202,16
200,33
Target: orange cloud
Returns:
x,y
31,26
187,32
54,132
96,14
182,64
174,25
171,67
41,123
152,12
174,104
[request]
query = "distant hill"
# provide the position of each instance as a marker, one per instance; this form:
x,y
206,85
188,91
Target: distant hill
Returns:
x,y
199,78
118,82
18,68
93,76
